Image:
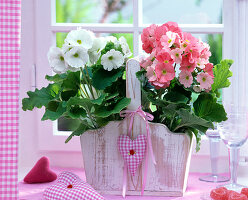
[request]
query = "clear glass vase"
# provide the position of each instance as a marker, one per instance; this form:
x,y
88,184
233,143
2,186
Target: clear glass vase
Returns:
x,y
214,142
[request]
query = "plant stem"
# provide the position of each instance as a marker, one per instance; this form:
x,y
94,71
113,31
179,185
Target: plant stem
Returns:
x,y
81,89
86,69
89,86
87,94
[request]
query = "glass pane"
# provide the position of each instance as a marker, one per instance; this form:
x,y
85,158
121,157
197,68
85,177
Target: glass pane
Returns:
x,y
94,11
65,124
183,11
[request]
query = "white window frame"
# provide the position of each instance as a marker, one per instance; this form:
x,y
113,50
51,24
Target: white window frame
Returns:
x,y
233,29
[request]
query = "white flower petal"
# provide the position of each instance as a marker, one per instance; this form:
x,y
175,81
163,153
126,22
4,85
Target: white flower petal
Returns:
x,y
56,60
125,47
77,57
112,60
80,37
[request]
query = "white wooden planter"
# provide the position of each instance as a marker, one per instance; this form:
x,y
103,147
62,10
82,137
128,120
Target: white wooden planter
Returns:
x,y
104,165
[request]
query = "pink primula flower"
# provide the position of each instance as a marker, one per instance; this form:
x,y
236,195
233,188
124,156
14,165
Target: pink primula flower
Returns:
x,y
173,27
164,57
159,85
186,65
209,69
159,32
148,38
168,39
150,73
205,80
176,55
165,72
186,78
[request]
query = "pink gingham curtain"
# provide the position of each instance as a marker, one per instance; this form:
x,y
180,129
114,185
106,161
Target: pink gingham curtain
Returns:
x,y
10,18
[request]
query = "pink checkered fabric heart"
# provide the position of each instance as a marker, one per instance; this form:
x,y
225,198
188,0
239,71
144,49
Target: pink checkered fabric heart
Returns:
x,y
132,151
70,187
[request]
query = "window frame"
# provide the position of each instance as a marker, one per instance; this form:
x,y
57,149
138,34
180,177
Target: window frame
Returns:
x,y
46,27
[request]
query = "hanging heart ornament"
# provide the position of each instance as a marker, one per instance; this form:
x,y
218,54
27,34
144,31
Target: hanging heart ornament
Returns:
x,y
132,151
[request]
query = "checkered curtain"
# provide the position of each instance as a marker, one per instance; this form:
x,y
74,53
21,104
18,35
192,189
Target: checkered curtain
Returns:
x,y
10,16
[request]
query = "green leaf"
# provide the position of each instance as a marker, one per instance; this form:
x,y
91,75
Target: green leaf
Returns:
x,y
103,78
76,107
221,74
72,81
99,100
54,113
105,111
76,111
56,78
66,95
206,107
41,97
190,120
176,97
79,131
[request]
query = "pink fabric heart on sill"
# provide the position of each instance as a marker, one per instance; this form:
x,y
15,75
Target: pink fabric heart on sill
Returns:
x,y
70,187
132,151
40,173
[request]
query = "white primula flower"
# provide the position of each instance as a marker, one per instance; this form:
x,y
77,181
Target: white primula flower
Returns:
x,y
66,47
56,60
125,47
112,39
112,60
77,57
80,37
95,52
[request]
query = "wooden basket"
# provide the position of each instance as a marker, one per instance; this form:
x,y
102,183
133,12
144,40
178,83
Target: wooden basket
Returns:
x,y
104,165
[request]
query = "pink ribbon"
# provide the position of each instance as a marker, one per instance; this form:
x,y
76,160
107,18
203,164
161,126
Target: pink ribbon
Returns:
x,y
147,117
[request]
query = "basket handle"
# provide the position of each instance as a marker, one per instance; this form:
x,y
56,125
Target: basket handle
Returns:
x,y
132,84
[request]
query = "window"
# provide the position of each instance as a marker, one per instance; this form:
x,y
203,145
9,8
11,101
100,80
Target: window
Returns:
x,y
215,21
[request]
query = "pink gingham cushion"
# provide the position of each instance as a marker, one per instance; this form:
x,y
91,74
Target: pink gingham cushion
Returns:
x,y
132,151
70,187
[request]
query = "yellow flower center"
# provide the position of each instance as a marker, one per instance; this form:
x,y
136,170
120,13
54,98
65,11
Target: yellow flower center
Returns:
x,y
203,79
177,54
188,67
76,55
164,72
61,58
187,77
110,57
79,41
184,45
169,41
166,61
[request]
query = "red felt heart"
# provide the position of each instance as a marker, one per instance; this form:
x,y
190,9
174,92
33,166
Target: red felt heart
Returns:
x,y
40,173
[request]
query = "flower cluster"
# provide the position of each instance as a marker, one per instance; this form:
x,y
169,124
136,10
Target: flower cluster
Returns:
x,y
174,52
81,48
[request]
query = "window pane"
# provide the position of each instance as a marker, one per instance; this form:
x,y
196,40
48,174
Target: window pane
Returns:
x,y
182,11
65,124
94,11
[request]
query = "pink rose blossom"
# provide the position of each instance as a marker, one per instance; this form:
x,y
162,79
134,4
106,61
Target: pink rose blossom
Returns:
x,y
164,57
205,80
165,72
176,55
186,78
209,69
